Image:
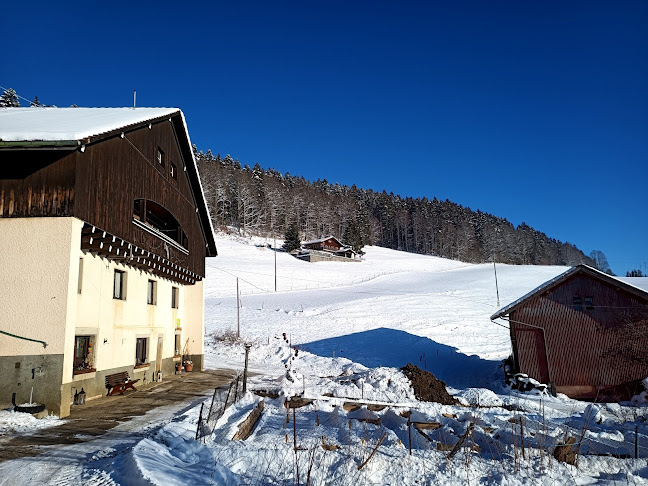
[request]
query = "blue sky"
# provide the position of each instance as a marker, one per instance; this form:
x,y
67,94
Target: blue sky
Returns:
x,y
534,111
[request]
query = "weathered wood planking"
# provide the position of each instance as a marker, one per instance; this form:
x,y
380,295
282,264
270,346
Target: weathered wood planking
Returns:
x,y
100,184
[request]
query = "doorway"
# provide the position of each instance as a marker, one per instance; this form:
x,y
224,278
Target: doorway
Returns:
x,y
158,356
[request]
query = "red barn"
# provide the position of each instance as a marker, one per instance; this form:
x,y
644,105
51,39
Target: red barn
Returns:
x,y
585,331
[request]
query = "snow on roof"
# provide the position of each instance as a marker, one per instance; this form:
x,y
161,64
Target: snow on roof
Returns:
x,y
322,240
66,124
73,124
639,282
635,283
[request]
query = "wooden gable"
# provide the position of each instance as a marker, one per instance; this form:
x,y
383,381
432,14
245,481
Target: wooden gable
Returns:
x,y
100,184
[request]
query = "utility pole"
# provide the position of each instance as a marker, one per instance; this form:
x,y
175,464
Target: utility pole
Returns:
x,y
496,286
238,311
275,261
245,369
134,98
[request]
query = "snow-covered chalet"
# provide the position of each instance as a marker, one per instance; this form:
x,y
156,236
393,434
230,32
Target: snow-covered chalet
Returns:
x,y
104,232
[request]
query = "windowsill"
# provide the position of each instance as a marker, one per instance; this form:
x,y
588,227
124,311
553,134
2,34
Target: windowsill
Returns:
x,y
119,299
142,366
84,375
87,370
177,357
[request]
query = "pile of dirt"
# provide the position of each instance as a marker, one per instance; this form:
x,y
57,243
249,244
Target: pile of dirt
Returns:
x,y
427,387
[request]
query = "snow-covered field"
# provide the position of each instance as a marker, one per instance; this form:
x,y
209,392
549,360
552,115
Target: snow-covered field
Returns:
x,y
354,325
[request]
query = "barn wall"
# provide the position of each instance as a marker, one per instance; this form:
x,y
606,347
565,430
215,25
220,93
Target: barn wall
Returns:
x,y
579,343
113,173
37,183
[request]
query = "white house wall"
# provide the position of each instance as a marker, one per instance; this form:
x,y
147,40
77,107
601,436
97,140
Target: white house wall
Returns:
x,y
116,324
45,300
38,287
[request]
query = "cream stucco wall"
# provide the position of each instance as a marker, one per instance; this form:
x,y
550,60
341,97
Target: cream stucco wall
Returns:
x,y
116,324
194,330
44,299
38,284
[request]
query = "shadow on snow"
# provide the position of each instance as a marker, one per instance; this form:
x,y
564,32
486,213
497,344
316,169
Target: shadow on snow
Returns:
x,y
393,348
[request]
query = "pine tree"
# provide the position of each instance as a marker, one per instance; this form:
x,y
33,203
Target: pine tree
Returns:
x,y
9,99
353,236
35,102
291,238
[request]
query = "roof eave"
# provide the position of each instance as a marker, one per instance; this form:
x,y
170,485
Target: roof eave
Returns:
x,y
548,285
39,144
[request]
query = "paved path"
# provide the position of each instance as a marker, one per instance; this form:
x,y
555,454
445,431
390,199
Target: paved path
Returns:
x,y
96,417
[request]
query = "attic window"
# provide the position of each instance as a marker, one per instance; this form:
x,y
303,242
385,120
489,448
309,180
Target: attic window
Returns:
x,y
577,303
589,303
159,221
159,157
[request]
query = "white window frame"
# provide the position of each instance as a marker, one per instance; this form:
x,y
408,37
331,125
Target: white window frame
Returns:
x,y
119,293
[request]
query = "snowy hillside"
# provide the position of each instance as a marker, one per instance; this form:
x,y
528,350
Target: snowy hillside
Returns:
x,y
391,308
335,335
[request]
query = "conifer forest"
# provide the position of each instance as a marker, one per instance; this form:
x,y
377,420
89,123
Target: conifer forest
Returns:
x,y
266,202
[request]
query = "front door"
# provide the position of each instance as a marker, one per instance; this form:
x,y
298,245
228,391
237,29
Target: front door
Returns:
x,y
532,353
158,358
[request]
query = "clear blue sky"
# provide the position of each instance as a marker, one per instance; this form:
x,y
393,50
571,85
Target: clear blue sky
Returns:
x,y
533,111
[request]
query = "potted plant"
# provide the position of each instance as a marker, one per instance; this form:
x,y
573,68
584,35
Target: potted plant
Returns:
x,y
178,367
188,364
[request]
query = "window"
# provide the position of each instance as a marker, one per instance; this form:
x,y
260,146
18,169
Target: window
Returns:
x,y
174,171
160,157
589,303
80,281
141,348
174,297
178,345
151,294
82,353
159,221
577,303
119,285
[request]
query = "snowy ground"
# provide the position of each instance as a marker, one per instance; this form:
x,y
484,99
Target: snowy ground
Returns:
x,y
354,325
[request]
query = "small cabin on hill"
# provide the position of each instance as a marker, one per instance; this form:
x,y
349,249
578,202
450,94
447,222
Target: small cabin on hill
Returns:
x,y
585,331
326,249
104,232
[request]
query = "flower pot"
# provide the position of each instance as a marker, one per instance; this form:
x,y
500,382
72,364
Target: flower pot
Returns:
x,y
188,367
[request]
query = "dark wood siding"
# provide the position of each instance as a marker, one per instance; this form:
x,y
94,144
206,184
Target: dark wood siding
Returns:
x,y
578,342
37,183
113,173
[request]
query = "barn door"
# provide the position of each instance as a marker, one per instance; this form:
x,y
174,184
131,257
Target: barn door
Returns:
x,y
532,353
158,356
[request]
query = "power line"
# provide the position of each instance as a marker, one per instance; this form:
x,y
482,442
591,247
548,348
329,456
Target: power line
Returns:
x,y
22,97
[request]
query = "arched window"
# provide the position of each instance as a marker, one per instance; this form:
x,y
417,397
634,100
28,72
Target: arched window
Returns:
x,y
161,221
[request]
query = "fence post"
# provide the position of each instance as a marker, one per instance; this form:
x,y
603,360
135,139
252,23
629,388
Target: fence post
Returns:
x,y
212,404
247,351
199,419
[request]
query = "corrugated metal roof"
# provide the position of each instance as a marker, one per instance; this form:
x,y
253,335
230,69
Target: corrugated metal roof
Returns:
x,y
629,283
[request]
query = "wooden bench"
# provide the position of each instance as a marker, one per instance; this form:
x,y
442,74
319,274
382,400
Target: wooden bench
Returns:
x,y
119,383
